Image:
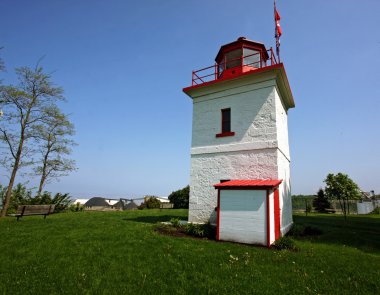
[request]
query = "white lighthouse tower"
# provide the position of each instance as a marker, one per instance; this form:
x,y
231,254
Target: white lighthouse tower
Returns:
x,y
240,161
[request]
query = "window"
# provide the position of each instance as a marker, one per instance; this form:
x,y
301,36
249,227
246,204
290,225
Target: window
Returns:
x,y
252,58
226,120
226,124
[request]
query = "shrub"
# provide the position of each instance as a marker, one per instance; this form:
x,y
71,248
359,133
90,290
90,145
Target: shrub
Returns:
x,y
175,222
76,207
285,243
376,210
308,208
150,202
180,198
23,196
200,230
321,202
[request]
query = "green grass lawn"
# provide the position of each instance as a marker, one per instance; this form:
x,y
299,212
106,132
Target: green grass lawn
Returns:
x,y
120,253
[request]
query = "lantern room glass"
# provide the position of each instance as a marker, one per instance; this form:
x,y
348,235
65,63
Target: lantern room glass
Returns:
x,y
252,58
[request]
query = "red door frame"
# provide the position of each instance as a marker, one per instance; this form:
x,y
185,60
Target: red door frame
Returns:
x,y
276,211
277,226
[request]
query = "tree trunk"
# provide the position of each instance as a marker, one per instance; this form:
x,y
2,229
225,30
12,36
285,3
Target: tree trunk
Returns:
x,y
17,161
345,210
12,179
43,176
40,187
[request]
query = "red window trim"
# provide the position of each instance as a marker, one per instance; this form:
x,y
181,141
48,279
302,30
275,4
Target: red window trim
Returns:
x,y
225,134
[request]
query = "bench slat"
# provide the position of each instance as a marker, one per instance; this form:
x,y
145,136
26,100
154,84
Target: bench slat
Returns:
x,y
27,210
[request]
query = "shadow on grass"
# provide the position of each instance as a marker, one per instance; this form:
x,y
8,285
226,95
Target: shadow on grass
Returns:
x,y
357,231
154,219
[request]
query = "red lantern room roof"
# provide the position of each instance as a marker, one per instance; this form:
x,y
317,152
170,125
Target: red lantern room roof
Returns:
x,y
241,42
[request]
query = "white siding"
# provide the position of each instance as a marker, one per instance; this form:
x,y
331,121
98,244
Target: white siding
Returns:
x,y
242,216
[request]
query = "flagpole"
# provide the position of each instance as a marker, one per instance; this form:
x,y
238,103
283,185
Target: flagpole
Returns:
x,y
277,37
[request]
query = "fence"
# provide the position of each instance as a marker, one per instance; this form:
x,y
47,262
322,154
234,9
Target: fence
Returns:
x,y
300,205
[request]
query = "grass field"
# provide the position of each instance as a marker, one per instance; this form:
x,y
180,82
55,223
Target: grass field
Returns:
x,y
120,253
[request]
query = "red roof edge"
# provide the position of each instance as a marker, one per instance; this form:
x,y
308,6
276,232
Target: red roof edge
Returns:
x,y
249,183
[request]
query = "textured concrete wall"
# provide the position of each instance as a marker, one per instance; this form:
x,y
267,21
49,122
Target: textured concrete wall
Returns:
x,y
283,166
209,169
252,116
256,151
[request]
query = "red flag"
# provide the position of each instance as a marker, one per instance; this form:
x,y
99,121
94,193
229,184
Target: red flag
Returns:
x,y
276,15
277,20
279,31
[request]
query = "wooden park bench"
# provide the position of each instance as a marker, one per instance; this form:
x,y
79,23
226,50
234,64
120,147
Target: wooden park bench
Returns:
x,y
29,210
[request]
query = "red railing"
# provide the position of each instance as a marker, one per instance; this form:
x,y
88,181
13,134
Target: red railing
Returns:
x,y
215,72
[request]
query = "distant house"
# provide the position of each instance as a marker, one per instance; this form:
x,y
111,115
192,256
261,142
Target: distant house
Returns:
x,y
163,200
96,203
80,201
131,206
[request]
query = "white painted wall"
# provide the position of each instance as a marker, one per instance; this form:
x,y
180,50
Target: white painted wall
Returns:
x,y
243,216
252,116
258,150
209,169
283,165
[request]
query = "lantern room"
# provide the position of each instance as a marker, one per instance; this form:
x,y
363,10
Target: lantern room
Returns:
x,y
239,57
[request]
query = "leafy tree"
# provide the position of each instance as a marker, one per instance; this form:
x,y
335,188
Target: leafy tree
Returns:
x,y
180,198
321,203
342,188
20,196
52,136
61,201
24,107
23,196
150,202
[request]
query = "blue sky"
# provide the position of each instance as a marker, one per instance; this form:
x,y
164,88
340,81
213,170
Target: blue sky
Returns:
x,y
123,65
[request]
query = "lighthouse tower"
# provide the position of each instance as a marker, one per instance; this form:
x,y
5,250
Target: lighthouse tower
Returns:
x,y
240,157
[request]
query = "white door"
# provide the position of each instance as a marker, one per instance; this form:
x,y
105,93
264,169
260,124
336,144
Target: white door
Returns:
x,y
242,216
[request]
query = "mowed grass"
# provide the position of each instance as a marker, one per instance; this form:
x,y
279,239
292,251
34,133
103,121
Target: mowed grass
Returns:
x,y
120,253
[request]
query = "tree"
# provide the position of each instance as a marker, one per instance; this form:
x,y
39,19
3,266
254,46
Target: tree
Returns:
x,y
150,202
24,107
321,202
52,136
342,188
180,198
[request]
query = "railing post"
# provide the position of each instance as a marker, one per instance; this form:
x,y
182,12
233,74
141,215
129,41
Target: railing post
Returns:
x,y
216,71
192,78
